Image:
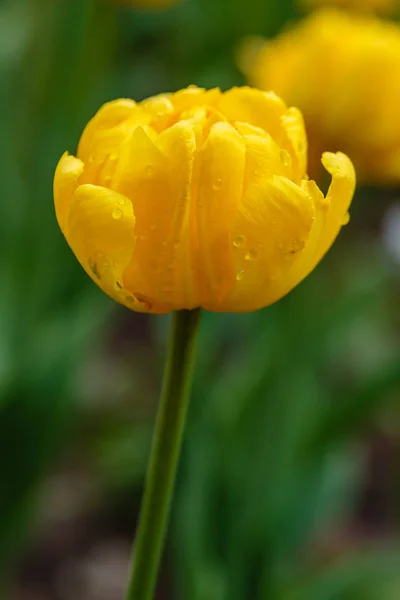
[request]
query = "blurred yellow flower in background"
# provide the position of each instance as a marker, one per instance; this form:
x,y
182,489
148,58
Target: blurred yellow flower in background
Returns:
x,y
342,72
381,6
198,199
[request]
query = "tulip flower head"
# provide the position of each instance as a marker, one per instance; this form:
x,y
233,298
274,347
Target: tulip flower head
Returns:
x,y
341,70
198,199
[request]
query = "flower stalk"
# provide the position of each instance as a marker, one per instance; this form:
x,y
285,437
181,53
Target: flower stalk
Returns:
x,y
164,456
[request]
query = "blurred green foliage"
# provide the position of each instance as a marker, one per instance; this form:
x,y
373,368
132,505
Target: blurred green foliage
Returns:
x,y
284,400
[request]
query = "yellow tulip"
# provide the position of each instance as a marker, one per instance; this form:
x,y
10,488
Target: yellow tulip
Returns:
x,y
381,6
198,199
341,71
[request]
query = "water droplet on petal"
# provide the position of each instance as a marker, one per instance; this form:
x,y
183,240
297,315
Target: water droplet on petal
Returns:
x,y
239,241
99,254
346,219
285,158
217,184
117,214
251,255
117,286
121,201
296,246
113,156
239,275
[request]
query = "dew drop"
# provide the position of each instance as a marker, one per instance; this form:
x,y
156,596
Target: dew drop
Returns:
x,y
99,254
145,306
117,286
117,214
346,219
251,255
94,269
239,241
285,158
121,201
239,275
113,156
217,184
296,246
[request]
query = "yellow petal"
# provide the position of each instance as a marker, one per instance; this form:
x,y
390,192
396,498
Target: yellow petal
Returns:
x,y
331,214
262,109
158,180
220,174
271,227
100,231
66,180
194,96
109,116
264,158
293,124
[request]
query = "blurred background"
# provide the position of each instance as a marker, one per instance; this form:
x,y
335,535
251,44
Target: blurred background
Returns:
x,y
289,483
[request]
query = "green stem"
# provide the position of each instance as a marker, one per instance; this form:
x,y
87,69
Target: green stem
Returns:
x,y
164,456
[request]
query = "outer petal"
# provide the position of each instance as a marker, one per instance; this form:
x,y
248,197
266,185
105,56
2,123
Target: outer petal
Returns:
x,y
293,125
100,231
66,180
331,214
109,116
261,109
264,158
271,227
220,175
157,178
